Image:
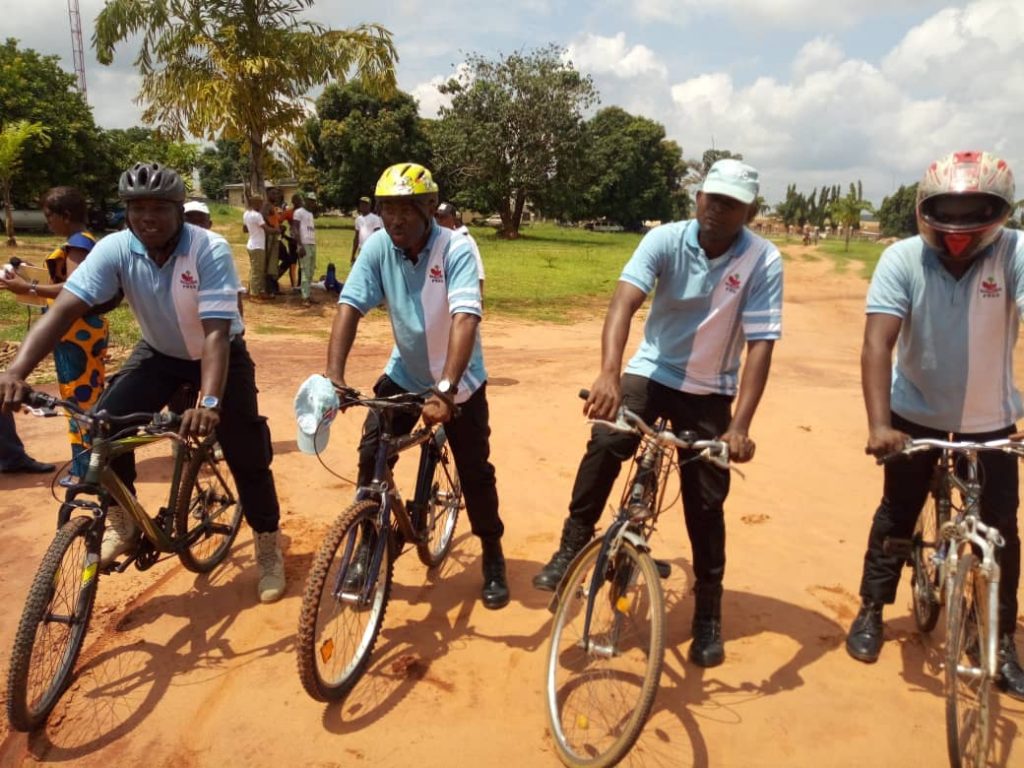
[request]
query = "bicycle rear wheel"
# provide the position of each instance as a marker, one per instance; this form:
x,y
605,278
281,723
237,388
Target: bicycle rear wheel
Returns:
x,y
968,682
344,603
926,583
441,513
53,624
207,513
600,689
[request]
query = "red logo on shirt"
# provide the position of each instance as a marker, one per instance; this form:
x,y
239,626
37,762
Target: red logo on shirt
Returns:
x,y
188,281
733,282
990,288
436,275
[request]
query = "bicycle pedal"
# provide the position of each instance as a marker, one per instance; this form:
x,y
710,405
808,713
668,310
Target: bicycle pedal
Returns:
x,y
664,568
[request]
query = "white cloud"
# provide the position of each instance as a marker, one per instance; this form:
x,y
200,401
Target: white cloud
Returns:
x,y
610,55
430,99
821,53
781,13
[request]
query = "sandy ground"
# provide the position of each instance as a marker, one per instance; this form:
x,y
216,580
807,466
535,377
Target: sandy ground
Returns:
x,y
180,670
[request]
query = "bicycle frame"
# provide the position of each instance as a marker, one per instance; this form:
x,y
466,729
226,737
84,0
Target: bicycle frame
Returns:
x,y
640,506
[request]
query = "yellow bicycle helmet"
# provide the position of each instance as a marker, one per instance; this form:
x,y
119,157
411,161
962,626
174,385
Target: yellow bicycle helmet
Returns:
x,y
406,180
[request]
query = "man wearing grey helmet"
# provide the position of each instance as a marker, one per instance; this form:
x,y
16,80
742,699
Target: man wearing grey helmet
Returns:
x,y
181,284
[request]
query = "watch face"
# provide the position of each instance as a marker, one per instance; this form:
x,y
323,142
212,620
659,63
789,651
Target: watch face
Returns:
x,y
444,385
209,401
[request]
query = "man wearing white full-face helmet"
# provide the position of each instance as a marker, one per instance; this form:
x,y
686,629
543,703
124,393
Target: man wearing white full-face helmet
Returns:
x,y
949,302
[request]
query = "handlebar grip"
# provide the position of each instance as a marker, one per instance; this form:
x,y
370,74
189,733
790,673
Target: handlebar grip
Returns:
x,y
584,394
36,399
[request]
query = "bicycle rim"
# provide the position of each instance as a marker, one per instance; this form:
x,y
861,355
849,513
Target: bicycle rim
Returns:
x,y
442,511
600,693
53,625
927,576
968,683
341,619
208,512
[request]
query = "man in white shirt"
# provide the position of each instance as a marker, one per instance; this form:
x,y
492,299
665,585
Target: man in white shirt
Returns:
x,y
304,231
257,228
447,216
366,223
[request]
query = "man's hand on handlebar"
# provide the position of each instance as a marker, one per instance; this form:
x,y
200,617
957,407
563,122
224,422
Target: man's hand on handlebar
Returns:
x,y
604,398
741,447
883,441
199,422
13,392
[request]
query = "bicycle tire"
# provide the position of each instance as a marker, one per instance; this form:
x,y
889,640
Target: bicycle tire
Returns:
x,y
328,667
441,513
591,729
968,682
27,711
926,575
207,512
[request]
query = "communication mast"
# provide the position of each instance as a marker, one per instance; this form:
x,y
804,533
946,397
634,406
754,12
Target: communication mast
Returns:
x,y
77,51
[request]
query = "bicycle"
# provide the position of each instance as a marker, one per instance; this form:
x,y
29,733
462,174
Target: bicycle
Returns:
x,y
608,632
349,584
947,570
198,525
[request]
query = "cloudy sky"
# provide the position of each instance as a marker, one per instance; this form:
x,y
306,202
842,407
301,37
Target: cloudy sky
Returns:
x,y
809,91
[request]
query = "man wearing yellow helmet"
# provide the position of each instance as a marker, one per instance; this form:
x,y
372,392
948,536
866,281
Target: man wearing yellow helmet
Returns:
x,y
428,276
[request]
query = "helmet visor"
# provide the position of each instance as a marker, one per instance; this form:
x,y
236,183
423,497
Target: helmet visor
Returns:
x,y
963,212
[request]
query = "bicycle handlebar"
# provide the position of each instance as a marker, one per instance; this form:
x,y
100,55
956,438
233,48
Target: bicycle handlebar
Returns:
x,y
348,397
964,446
714,451
38,401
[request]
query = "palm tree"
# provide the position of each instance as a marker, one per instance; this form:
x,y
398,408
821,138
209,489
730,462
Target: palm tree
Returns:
x,y
238,69
14,138
846,212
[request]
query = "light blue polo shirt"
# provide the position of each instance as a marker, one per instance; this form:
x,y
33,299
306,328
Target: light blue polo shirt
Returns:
x,y
198,282
954,356
421,298
703,309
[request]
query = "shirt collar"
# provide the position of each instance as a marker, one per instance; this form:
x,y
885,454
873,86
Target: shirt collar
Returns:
x,y
691,240
183,246
435,230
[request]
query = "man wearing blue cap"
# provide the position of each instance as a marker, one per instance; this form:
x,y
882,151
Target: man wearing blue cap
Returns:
x,y
716,286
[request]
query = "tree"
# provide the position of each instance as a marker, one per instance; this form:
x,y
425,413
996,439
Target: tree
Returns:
x,y
632,171
34,88
357,134
514,125
128,146
238,70
846,211
14,138
897,216
220,165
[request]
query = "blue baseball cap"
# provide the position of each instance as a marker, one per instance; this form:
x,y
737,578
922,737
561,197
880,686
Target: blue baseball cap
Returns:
x,y
316,405
732,178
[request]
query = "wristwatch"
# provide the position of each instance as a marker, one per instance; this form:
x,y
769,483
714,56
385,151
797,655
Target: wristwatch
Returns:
x,y
211,402
445,387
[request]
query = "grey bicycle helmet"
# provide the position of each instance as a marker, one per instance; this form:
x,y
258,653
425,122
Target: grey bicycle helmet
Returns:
x,y
151,181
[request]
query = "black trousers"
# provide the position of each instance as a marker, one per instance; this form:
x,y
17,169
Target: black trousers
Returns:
x,y
705,486
907,482
148,381
469,436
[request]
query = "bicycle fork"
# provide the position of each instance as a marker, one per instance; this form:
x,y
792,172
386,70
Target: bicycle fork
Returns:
x,y
610,545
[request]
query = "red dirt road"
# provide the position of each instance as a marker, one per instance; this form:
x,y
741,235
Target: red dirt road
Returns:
x,y
180,670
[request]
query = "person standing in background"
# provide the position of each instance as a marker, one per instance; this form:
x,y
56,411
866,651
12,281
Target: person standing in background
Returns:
x,y
304,232
366,223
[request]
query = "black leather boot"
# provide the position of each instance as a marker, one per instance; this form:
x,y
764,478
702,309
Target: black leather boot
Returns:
x,y
1011,676
575,536
707,649
864,641
495,590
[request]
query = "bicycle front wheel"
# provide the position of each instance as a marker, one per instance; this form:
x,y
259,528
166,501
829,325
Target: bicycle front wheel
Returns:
x,y
442,510
53,624
926,584
601,684
968,682
344,602
208,513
